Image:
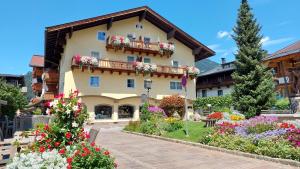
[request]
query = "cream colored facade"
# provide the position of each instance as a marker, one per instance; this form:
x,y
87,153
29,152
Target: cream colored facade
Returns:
x,y
113,90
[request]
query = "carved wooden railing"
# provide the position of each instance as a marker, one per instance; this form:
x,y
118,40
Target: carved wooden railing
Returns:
x,y
120,66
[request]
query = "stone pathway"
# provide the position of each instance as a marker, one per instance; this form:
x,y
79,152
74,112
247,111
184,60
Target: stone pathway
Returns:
x,y
138,152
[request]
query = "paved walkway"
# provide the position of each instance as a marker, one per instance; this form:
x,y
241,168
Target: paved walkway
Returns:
x,y
138,152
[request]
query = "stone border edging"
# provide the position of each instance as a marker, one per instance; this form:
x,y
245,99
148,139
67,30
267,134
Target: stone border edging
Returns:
x,y
234,152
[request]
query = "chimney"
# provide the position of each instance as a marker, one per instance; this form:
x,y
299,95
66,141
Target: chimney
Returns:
x,y
223,60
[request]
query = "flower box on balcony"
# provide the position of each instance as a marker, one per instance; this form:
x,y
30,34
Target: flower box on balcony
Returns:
x,y
167,48
145,68
120,41
192,71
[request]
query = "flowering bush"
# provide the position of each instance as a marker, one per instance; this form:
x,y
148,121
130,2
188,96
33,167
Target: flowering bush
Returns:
x,y
67,137
157,110
36,160
215,116
286,125
85,60
167,48
146,68
295,123
294,137
193,71
172,104
226,127
119,41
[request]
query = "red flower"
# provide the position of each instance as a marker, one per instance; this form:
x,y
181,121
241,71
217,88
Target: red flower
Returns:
x,y
48,140
77,152
69,167
43,135
215,115
42,149
49,146
68,135
70,142
62,151
93,144
69,160
87,135
97,149
46,127
83,154
57,144
106,153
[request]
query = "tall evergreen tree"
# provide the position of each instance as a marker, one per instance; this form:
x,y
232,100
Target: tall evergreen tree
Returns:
x,y
253,88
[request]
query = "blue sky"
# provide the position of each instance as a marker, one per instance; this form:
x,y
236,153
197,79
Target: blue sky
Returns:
x,y
23,23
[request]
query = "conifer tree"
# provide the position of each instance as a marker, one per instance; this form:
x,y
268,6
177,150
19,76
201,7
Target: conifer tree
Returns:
x,y
253,88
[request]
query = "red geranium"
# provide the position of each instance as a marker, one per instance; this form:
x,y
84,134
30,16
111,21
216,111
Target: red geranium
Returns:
x,y
106,153
42,149
68,135
215,115
69,160
57,144
62,151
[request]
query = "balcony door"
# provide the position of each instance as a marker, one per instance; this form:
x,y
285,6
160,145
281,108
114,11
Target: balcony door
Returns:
x,y
103,112
125,111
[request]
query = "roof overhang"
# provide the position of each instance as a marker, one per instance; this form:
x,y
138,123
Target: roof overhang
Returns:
x,y
55,36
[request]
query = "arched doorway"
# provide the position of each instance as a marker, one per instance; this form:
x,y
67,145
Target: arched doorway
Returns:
x,y
125,111
103,112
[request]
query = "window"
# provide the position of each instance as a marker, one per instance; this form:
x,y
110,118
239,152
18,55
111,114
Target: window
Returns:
x,y
125,111
204,93
175,86
94,81
175,63
130,59
95,54
147,40
220,92
147,60
131,37
103,112
130,83
101,36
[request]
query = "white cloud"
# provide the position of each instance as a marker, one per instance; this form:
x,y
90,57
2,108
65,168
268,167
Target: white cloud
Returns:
x,y
223,34
267,41
216,48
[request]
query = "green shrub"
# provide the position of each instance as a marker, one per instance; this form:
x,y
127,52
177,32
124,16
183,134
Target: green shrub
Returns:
x,y
37,111
173,125
173,104
282,104
145,114
14,97
133,126
220,103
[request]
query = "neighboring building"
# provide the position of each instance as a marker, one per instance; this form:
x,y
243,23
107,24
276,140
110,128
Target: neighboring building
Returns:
x,y
16,80
217,81
285,64
110,86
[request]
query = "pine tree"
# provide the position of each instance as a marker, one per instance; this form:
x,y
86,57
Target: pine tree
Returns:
x,y
253,88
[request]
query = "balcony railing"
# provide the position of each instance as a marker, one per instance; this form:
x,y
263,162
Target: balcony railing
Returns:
x,y
139,46
129,67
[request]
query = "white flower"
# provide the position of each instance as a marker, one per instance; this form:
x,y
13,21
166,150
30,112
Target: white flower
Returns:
x,y
74,124
68,111
75,108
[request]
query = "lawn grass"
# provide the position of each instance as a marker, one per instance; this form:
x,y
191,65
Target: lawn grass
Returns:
x,y
196,131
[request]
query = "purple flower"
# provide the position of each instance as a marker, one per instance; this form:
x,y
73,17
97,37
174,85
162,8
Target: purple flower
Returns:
x,y
155,109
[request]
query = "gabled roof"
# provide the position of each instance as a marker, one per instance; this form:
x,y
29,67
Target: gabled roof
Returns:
x,y
289,50
37,61
219,69
54,35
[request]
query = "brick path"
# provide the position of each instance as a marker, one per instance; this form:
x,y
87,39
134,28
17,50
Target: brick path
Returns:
x,y
138,152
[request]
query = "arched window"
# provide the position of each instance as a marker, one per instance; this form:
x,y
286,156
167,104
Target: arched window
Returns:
x,y
126,111
103,112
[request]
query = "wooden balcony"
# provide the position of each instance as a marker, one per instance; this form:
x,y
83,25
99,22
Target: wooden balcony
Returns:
x,y
128,67
37,87
215,83
37,72
140,47
49,96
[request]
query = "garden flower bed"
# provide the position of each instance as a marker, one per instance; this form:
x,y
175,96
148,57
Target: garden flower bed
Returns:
x,y
262,135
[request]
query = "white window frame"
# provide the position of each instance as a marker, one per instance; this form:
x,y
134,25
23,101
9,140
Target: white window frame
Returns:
x,y
104,37
134,84
98,82
176,85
